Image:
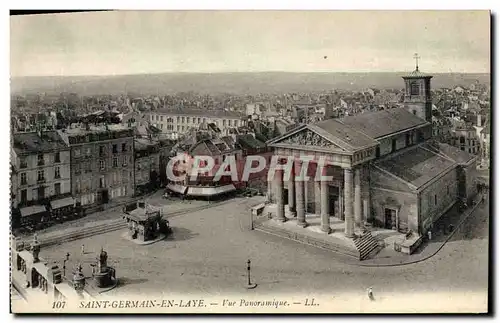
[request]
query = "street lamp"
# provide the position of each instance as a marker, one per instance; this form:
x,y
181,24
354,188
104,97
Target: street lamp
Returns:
x,y
249,283
64,264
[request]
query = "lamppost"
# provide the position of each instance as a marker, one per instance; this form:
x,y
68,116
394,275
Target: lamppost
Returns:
x,y
250,285
64,264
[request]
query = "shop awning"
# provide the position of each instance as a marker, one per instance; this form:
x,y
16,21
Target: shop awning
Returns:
x,y
57,204
210,191
181,189
34,209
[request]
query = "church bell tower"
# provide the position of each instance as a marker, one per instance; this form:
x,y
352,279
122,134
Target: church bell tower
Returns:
x,y
417,97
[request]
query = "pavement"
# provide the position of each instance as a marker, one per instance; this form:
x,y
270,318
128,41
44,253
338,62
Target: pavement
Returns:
x,y
208,251
388,257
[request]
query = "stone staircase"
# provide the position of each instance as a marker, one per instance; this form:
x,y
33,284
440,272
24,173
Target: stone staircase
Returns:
x,y
367,245
302,238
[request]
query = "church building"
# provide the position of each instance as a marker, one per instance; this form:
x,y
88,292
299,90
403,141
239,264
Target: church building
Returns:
x,y
387,170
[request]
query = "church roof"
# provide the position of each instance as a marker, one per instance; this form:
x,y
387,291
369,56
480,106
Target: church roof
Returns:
x,y
344,135
416,166
382,123
331,130
451,152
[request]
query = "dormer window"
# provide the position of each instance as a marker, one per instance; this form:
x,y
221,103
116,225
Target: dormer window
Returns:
x,y
40,160
23,163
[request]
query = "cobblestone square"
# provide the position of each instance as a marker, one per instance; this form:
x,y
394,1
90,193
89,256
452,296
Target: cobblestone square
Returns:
x,y
208,251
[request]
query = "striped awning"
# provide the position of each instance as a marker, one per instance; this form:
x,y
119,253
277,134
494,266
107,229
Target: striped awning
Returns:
x,y
57,204
181,189
210,191
34,209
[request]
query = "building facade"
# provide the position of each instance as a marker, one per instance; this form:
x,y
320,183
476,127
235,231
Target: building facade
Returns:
x,y
147,164
204,184
102,166
41,163
465,139
177,122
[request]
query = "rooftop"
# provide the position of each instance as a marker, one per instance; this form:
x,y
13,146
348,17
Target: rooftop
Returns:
x,y
143,213
416,166
31,142
216,146
417,74
250,142
382,123
200,113
143,143
81,130
342,135
453,153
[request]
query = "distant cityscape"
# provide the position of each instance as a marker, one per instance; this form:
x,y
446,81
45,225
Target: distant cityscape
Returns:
x,y
69,147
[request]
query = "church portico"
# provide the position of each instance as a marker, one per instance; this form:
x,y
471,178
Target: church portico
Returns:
x,y
324,181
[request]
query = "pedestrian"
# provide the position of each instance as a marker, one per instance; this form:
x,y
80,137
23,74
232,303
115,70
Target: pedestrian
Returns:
x,y
370,293
83,249
429,235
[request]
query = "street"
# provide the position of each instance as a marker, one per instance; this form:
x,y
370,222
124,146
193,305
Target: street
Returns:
x,y
208,252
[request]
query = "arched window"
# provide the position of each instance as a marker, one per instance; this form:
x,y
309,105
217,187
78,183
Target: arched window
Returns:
x,y
415,88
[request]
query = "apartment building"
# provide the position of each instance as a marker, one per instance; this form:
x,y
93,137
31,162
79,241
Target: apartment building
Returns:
x,y
40,165
102,162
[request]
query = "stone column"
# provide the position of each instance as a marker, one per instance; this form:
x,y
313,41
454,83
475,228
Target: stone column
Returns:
x,y
357,198
341,202
366,210
325,212
317,197
280,203
291,192
300,194
269,196
349,216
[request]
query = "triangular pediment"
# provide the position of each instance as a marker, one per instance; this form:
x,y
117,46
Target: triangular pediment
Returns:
x,y
307,138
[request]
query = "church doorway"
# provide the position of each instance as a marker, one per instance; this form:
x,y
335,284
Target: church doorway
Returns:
x,y
333,200
390,219
285,196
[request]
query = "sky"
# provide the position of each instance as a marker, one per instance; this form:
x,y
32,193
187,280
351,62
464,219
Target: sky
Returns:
x,y
137,42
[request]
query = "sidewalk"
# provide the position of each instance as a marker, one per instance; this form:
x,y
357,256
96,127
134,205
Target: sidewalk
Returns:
x,y
387,257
